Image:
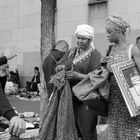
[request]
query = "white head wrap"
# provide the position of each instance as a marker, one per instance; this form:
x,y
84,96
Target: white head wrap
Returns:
x,y
86,31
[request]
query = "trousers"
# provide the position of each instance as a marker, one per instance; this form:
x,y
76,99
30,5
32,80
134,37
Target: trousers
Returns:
x,y
86,121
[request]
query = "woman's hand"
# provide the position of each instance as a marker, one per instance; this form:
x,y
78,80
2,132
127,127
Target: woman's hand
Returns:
x,y
59,68
75,75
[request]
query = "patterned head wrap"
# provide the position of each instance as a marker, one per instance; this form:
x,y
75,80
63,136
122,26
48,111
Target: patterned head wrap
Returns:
x,y
117,23
86,31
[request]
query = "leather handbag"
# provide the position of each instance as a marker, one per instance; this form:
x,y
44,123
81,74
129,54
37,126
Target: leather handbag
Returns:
x,y
94,91
86,89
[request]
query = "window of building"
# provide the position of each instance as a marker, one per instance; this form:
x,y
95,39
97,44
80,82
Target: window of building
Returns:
x,y
98,12
97,15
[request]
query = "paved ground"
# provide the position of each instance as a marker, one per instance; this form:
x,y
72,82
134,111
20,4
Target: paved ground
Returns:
x,y
101,128
34,106
25,105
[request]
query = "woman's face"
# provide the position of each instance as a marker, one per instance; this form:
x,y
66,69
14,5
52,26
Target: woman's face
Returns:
x,y
83,42
112,35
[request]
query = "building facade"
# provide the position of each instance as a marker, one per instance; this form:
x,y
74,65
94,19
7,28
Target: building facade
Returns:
x,y
70,13
20,23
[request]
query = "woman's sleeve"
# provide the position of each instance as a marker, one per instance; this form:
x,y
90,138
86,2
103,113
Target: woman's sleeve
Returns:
x,y
62,60
6,109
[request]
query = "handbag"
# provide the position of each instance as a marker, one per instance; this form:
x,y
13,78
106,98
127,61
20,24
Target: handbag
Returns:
x,y
86,89
94,91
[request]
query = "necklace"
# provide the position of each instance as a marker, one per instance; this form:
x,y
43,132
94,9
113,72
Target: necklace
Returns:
x,y
78,57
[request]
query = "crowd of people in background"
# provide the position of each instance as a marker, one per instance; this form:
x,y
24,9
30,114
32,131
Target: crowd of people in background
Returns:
x,y
11,86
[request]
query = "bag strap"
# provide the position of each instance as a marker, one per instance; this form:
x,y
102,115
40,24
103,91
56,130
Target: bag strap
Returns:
x,y
53,58
101,96
130,52
109,50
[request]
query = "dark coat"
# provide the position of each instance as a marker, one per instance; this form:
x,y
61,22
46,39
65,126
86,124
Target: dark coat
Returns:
x,y
6,109
49,67
37,81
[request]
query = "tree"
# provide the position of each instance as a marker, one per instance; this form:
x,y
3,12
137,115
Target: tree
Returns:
x,y
47,26
47,37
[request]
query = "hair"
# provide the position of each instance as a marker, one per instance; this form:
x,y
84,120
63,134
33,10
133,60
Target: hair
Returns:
x,y
61,44
137,39
36,68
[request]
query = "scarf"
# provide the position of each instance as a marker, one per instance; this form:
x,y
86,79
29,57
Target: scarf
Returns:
x,y
86,31
117,23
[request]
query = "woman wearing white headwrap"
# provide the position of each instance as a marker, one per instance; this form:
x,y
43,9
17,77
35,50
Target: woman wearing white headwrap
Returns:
x,y
82,60
121,125
86,31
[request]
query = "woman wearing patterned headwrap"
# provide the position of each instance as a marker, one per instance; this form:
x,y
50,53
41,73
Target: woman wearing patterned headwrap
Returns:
x,y
121,126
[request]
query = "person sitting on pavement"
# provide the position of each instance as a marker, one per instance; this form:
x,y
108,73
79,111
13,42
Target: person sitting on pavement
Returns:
x,y
13,83
33,85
